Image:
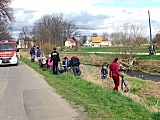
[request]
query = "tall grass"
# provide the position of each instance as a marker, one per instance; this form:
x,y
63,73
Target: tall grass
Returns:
x,y
99,103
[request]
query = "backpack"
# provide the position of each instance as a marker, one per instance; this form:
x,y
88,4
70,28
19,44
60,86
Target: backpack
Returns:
x,y
61,68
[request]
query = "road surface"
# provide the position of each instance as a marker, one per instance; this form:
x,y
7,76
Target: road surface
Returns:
x,y
25,95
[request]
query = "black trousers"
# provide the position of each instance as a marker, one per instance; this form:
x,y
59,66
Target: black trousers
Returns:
x,y
55,67
76,70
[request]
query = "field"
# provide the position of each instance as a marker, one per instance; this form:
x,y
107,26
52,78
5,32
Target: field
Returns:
x,y
97,97
142,62
129,49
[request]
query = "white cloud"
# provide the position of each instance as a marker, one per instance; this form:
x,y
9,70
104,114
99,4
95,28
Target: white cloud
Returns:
x,y
47,6
88,13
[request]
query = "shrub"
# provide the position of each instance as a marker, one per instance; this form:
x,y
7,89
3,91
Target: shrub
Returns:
x,y
47,47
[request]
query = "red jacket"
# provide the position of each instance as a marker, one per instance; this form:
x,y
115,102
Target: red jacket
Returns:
x,y
114,70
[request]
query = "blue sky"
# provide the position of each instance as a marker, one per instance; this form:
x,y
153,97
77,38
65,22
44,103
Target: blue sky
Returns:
x,y
131,3
89,15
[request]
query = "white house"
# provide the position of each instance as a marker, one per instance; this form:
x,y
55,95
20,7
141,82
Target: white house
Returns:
x,y
70,42
21,44
106,43
87,43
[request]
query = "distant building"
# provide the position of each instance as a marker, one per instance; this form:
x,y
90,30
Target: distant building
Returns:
x,y
87,43
21,44
100,41
70,43
27,43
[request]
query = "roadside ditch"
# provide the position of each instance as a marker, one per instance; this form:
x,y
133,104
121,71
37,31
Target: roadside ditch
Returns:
x,y
134,73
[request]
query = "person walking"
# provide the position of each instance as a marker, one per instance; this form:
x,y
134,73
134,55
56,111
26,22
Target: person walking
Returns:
x,y
154,49
44,63
114,73
38,54
55,59
32,53
49,62
18,53
74,63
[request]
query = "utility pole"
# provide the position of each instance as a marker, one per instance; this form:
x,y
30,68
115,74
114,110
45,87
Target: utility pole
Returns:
x,y
150,26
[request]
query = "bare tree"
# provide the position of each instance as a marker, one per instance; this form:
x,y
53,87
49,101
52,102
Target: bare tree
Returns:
x,y
136,32
156,39
5,31
25,34
6,13
53,28
128,33
94,35
84,39
6,16
117,35
117,38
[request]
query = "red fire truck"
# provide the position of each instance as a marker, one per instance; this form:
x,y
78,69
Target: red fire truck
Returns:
x,y
8,52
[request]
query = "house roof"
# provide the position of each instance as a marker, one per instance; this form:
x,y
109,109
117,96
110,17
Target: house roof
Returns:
x,y
96,39
27,41
105,39
71,40
36,43
143,38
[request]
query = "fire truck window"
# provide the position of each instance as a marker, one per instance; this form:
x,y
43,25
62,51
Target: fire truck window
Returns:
x,y
6,47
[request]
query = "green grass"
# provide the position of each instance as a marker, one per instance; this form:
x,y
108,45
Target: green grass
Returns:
x,y
156,116
115,49
153,101
99,103
112,56
136,49
147,57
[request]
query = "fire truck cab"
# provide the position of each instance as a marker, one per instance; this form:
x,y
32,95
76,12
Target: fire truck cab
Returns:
x,y
8,52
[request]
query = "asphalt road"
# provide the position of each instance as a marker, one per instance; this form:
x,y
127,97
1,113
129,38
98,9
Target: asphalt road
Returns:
x,y
25,95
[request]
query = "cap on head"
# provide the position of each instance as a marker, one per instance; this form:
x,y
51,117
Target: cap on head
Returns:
x,y
116,59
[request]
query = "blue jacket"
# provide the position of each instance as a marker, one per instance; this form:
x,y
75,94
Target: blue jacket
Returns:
x,y
38,53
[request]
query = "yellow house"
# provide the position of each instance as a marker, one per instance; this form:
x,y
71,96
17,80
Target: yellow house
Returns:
x,y
100,41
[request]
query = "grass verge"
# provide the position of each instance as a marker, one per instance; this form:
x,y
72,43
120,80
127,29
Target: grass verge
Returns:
x,y
99,103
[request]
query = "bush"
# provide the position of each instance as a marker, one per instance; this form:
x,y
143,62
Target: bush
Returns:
x,y
47,47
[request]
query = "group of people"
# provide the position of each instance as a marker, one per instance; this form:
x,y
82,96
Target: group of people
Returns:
x,y
54,63
113,71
